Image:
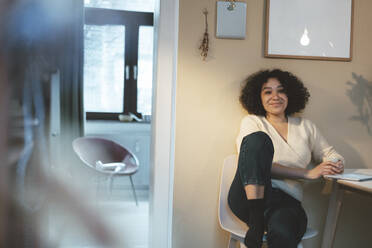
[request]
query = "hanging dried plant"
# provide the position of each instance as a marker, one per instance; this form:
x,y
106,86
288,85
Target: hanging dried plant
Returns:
x,y
204,46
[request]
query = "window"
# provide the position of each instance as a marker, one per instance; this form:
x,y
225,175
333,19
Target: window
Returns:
x,y
131,5
118,55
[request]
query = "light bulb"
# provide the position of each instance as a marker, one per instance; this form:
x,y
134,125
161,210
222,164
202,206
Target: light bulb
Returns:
x,y
305,40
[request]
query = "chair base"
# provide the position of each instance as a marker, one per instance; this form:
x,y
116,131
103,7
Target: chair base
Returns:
x,y
110,179
233,244
132,184
235,240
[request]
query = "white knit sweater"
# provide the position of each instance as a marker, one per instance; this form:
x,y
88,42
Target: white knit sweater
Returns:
x,y
304,142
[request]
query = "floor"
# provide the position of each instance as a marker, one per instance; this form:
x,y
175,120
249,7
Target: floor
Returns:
x,y
128,222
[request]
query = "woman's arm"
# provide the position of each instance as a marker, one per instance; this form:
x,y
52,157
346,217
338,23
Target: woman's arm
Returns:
x,y
324,168
320,148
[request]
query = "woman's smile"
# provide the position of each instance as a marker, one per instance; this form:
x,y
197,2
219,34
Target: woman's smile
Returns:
x,y
276,104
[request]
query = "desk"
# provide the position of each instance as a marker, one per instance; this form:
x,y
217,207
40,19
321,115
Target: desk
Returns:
x,y
335,202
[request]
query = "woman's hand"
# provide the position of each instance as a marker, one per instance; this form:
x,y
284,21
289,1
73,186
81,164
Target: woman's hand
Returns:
x,y
325,168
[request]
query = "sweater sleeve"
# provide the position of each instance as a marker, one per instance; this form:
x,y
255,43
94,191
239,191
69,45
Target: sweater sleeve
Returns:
x,y
247,126
320,148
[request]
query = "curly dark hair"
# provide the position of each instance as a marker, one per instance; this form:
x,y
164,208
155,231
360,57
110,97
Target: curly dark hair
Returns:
x,y
297,93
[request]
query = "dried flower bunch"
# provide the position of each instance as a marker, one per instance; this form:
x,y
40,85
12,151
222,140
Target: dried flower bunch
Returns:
x,y
204,46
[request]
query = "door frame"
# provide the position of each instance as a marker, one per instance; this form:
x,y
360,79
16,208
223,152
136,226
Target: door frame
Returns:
x,y
163,124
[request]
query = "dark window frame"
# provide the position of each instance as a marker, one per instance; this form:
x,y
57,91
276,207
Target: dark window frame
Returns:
x,y
132,22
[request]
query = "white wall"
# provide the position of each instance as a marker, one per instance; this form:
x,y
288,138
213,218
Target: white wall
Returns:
x,y
208,117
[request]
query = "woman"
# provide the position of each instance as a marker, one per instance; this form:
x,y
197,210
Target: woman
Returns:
x,y
265,192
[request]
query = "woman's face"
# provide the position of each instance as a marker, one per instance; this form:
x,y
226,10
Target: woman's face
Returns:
x,y
273,98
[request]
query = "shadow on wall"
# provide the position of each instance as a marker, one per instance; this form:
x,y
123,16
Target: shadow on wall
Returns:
x,y
360,95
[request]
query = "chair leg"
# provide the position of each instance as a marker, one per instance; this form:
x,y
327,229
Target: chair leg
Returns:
x,y
111,184
134,191
232,242
242,245
97,187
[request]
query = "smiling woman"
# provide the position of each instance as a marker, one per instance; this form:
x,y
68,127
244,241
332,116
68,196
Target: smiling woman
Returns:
x,y
274,151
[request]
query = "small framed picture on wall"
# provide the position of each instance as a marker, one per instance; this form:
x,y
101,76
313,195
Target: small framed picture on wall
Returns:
x,y
231,20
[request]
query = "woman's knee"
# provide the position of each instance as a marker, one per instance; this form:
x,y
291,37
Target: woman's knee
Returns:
x,y
255,158
257,141
256,150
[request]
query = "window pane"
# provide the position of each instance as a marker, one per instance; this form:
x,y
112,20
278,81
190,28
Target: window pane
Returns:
x,y
144,81
104,68
132,5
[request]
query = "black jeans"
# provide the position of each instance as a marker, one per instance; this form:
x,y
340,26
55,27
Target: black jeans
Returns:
x,y
285,218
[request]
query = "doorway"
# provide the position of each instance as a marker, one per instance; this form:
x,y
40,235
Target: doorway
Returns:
x,y
161,160
118,78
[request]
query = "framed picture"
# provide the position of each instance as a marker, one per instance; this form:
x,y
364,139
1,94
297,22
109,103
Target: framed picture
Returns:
x,y
231,20
317,29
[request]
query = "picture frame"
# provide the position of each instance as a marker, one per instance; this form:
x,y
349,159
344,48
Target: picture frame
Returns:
x,y
231,20
317,29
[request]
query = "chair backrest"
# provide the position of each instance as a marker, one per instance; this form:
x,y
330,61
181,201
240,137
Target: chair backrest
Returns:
x,y
93,149
228,220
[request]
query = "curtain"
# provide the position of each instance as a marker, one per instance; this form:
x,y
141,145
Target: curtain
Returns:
x,y
37,37
71,82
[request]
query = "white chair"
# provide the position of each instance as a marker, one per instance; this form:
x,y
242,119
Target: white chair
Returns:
x,y
228,221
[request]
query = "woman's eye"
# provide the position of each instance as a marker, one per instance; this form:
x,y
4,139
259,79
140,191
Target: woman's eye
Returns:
x,y
267,92
281,91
